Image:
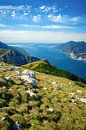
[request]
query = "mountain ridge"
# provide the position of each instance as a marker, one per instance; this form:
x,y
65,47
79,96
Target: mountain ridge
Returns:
x,y
75,50
14,55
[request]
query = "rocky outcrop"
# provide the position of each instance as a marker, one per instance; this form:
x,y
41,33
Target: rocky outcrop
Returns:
x,y
11,55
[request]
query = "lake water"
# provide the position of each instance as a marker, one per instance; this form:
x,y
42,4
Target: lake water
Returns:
x,y
56,58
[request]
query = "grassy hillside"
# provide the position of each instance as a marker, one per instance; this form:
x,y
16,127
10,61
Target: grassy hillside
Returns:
x,y
57,104
44,67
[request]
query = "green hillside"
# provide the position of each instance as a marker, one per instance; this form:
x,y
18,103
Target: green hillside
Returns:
x,y
44,67
53,103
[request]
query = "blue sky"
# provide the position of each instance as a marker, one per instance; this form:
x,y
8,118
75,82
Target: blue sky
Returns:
x,y
42,20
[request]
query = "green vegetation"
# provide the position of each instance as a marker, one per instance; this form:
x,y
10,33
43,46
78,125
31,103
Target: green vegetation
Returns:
x,y
44,67
55,105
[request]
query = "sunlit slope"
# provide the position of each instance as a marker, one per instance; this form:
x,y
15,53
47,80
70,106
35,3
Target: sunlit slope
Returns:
x,y
53,103
44,67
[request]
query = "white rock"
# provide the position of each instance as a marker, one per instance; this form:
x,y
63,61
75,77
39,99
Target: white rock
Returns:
x,y
32,124
2,64
7,78
45,88
53,83
50,109
71,84
29,73
3,118
74,97
83,100
29,80
72,94
31,93
58,87
13,68
4,87
79,91
17,72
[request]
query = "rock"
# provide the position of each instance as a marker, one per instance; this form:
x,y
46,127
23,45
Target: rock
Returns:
x,y
72,94
31,93
1,92
14,68
17,72
53,83
45,88
79,91
3,118
2,64
1,71
4,109
32,124
74,98
17,126
7,78
50,109
83,100
71,83
57,86
29,73
29,80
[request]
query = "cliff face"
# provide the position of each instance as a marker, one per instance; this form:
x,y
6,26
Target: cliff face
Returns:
x,y
17,58
14,56
75,50
3,46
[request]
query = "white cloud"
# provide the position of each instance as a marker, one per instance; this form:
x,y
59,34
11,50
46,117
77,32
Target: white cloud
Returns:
x,y
25,14
3,25
40,36
57,18
13,14
46,9
27,26
63,18
36,18
11,7
75,19
56,27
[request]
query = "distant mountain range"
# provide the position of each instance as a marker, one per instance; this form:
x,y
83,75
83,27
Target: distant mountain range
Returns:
x,y
15,55
75,50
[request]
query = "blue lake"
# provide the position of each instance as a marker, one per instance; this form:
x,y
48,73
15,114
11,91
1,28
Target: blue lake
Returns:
x,y
56,58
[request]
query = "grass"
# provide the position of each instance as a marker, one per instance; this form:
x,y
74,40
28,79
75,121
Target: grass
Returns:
x,y
44,67
34,114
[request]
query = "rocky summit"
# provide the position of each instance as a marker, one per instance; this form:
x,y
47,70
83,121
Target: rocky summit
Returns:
x,y
31,100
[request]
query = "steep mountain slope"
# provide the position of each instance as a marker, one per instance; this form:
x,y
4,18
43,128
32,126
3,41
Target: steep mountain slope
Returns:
x,y
75,50
3,46
13,55
35,101
44,67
